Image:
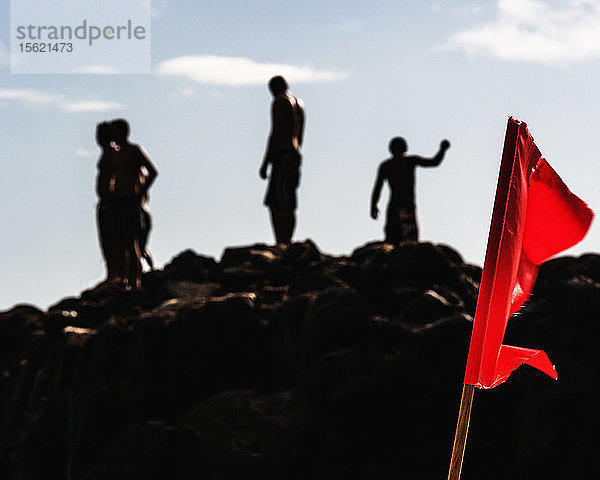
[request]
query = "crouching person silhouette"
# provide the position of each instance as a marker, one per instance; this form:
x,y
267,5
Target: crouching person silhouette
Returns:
x,y
399,172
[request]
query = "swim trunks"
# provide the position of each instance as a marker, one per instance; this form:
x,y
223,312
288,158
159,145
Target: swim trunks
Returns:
x,y
401,225
285,177
120,219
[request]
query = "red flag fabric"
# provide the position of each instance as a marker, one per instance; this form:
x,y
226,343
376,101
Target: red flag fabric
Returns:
x,y
535,216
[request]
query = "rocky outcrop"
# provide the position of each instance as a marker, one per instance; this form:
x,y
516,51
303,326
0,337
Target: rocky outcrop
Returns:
x,y
287,363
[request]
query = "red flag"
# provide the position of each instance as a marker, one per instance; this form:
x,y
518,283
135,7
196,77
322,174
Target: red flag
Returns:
x,y
535,216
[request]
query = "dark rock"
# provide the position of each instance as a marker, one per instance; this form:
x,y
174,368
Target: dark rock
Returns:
x,y
249,268
302,253
250,427
316,276
258,254
188,265
284,362
337,318
241,279
149,450
273,295
18,329
427,307
367,251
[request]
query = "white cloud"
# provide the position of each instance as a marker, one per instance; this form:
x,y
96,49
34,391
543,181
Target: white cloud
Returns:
x,y
30,97
239,71
557,32
92,106
84,153
36,99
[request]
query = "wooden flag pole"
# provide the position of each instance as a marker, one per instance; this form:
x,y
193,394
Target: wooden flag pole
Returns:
x,y
462,428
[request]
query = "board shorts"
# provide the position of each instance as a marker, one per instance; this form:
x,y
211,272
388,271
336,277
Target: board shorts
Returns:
x,y
284,180
401,225
119,220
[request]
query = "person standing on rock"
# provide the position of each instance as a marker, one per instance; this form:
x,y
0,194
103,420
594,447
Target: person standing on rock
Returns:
x,y
283,154
399,171
124,177
106,230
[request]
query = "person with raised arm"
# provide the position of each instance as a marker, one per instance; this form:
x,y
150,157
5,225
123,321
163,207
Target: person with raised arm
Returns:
x,y
399,172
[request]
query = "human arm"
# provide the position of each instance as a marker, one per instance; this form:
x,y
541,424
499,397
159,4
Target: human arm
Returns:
x,y
150,170
376,193
102,185
300,118
435,160
262,172
103,177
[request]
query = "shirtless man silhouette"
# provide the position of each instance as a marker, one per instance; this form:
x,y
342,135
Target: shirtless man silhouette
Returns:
x,y
106,231
399,171
125,175
283,154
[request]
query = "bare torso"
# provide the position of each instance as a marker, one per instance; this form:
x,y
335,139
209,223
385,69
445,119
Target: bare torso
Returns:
x,y
287,123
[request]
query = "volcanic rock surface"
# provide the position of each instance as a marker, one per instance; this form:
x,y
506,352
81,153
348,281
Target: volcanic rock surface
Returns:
x,y
287,363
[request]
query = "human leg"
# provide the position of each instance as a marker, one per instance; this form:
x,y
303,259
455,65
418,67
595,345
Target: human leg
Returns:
x,y
277,224
281,195
146,226
401,225
392,234
134,264
408,224
283,223
289,223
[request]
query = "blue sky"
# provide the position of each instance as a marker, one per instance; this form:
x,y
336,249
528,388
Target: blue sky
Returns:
x,y
367,71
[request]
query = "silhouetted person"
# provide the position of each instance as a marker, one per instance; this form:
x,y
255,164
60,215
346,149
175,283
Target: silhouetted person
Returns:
x,y
104,216
399,171
283,154
123,182
145,228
